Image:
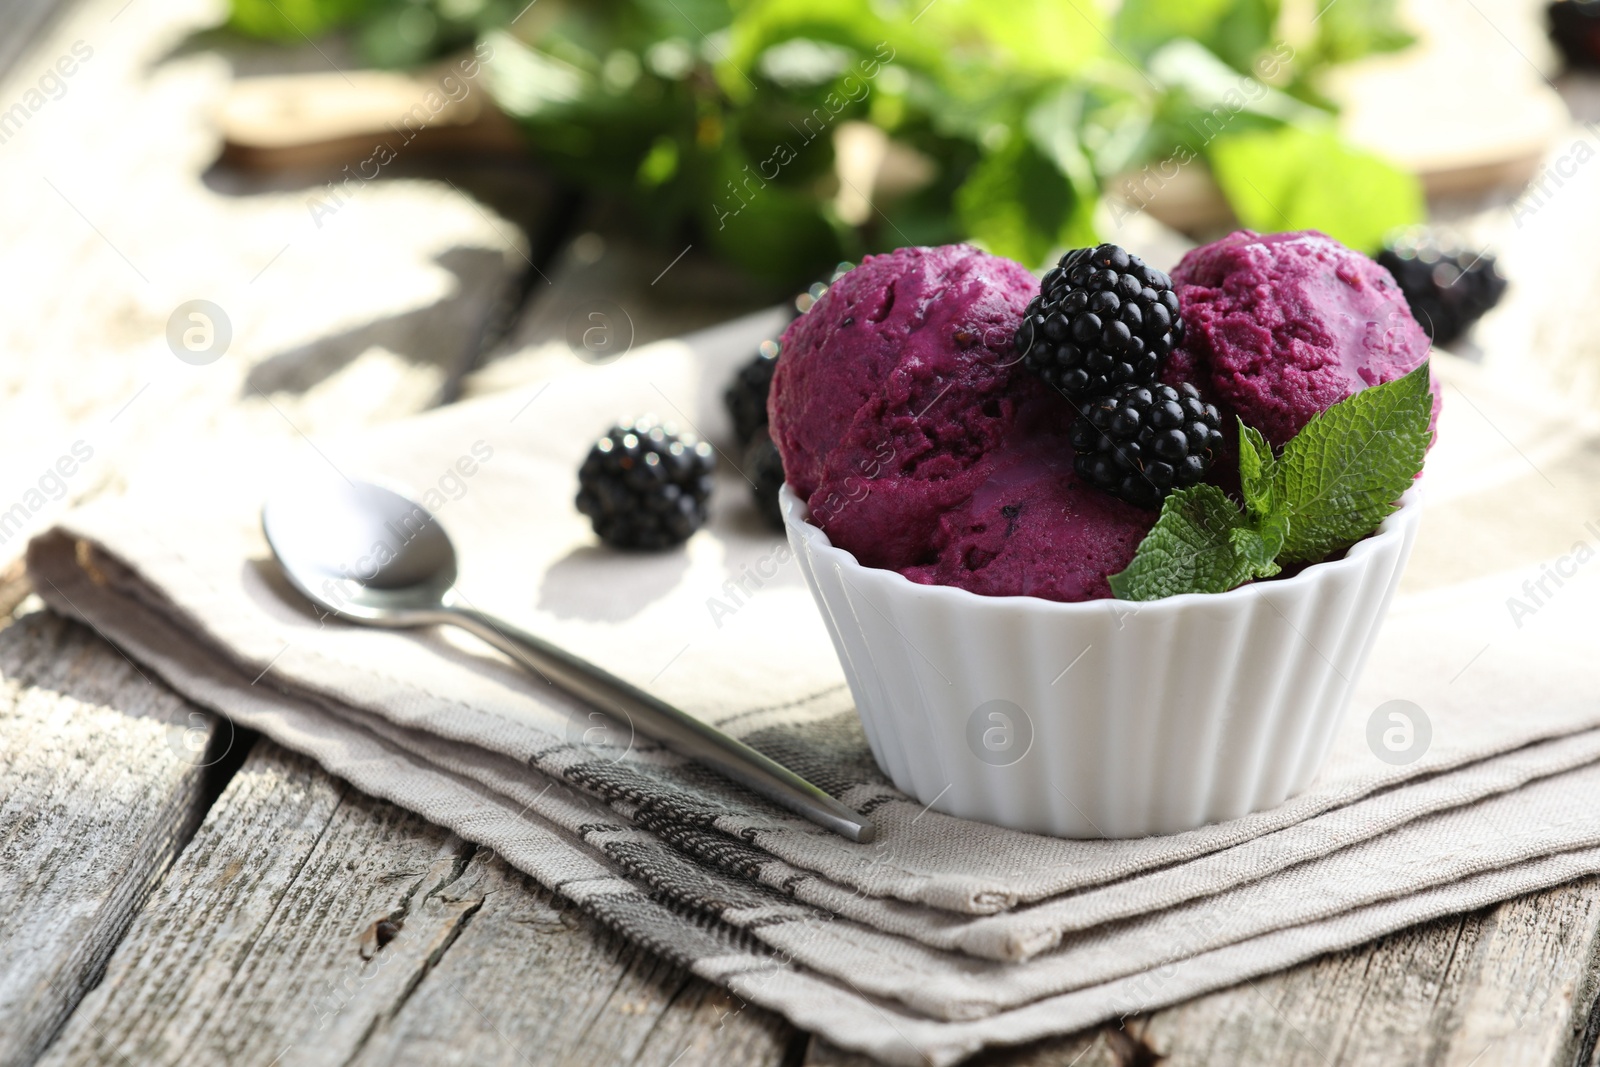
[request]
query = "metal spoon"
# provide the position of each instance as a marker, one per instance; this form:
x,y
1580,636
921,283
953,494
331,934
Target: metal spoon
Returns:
x,y
372,556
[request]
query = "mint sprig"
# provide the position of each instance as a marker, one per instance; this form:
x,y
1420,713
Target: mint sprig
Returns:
x,y
1332,485
1190,549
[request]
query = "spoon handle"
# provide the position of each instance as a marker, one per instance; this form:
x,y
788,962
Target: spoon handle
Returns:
x,y
657,719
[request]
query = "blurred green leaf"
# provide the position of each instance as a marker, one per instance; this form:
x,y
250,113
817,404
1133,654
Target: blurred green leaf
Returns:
x,y
293,21
1244,32
1018,203
1296,178
762,226
1050,38
1235,30
763,25
1052,126
660,164
1207,84
531,84
1145,25
1350,29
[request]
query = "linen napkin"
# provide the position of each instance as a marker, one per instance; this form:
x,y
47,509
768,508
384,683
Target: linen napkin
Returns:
x,y
944,935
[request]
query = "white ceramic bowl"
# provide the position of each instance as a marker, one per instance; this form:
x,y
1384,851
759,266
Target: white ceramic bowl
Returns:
x,y
1106,718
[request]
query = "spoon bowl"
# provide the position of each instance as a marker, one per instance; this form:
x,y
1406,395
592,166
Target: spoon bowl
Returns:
x,y
362,551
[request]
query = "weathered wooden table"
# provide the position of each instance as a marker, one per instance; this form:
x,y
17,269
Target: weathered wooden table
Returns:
x,y
172,890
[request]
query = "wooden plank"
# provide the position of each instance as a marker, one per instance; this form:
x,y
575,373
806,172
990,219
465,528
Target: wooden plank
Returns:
x,y
532,979
346,306
1512,985
256,934
311,924
103,777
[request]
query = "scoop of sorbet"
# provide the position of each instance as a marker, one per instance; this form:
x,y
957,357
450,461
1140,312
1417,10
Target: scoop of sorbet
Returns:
x,y
921,444
1279,327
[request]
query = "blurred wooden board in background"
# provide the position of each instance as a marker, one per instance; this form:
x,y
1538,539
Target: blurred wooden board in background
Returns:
x,y
1469,109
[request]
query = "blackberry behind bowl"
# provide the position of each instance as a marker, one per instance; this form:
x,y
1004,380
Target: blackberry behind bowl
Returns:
x,y
1143,441
1447,286
764,467
746,396
645,486
1575,29
1102,319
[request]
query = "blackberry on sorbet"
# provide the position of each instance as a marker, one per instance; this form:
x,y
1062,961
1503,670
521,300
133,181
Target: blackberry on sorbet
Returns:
x,y
645,486
1103,319
1143,441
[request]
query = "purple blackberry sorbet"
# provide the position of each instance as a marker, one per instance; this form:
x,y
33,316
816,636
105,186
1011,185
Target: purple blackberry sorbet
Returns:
x,y
922,445
1279,327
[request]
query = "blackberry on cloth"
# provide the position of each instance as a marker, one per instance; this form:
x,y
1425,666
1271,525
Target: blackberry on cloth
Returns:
x,y
645,486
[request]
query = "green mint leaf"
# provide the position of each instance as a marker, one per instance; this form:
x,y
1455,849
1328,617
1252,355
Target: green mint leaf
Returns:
x,y
1257,472
1341,475
1189,550
1258,548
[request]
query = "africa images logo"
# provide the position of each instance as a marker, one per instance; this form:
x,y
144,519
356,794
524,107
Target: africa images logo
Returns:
x,y
999,733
